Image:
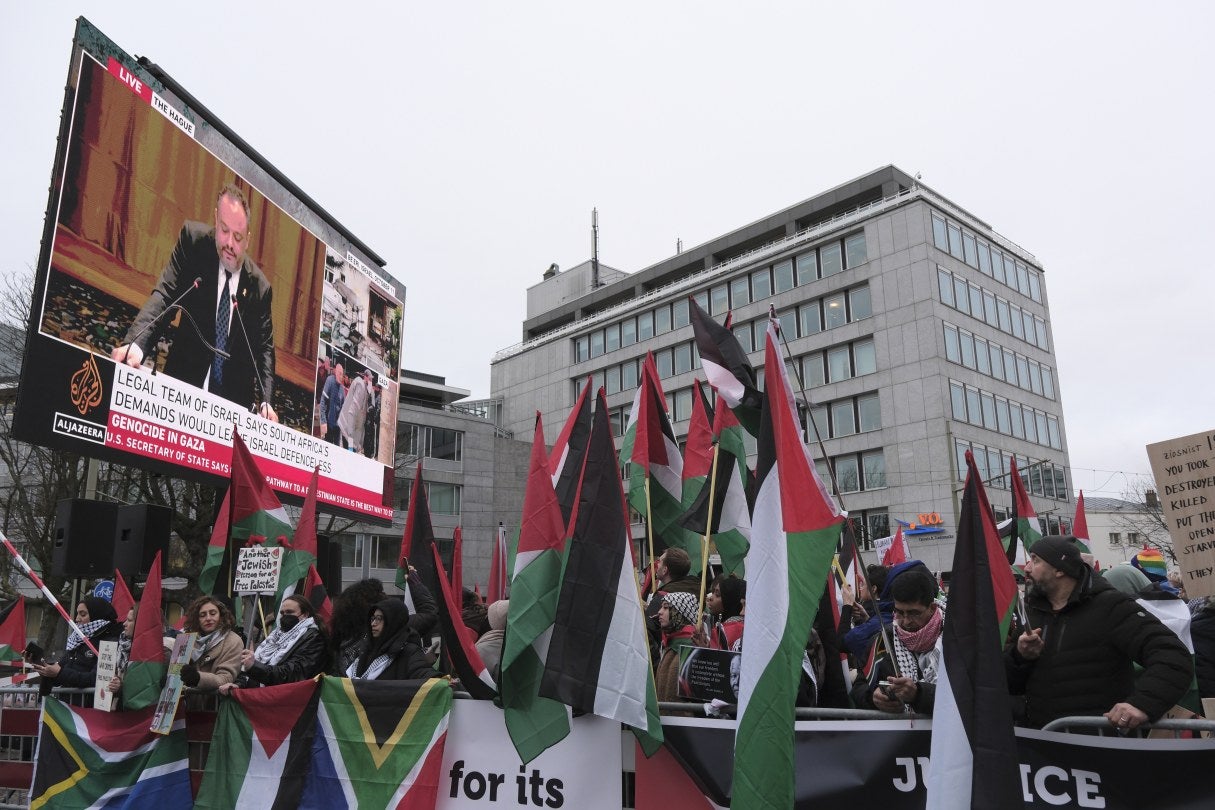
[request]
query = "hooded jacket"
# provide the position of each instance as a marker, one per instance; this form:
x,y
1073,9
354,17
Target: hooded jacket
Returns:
x,y
78,666
1090,646
859,639
397,640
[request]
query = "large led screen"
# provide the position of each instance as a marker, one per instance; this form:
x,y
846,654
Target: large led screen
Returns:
x,y
184,293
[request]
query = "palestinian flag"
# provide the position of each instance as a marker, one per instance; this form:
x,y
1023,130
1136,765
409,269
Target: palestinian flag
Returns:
x,y
417,540
720,510
727,367
534,723
793,539
499,580
378,744
459,642
598,657
91,758
896,552
1080,527
565,462
1026,528
261,748
655,466
216,550
732,546
974,757
12,631
142,683
316,593
122,601
301,554
698,454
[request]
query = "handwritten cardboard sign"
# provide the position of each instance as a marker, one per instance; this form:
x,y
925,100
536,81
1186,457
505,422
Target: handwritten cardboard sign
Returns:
x,y
257,569
107,668
1185,480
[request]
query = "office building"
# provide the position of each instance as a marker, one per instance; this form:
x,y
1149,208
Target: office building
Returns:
x,y
920,333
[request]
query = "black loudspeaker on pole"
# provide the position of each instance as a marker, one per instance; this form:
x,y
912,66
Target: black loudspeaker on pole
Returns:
x,y
92,538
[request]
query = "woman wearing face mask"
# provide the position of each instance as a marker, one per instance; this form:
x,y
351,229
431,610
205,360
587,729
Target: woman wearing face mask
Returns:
x,y
216,659
392,651
295,650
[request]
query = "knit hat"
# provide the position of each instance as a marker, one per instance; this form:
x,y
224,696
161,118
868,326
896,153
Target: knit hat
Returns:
x,y
683,607
497,614
1061,552
1151,562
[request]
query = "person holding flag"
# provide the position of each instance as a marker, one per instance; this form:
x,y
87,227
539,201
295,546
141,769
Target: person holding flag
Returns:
x,y
78,666
908,679
295,650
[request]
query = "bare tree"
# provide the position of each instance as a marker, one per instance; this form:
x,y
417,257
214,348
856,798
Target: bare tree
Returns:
x,y
1146,518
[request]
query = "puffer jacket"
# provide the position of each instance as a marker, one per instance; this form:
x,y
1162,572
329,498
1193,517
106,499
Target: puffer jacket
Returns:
x,y
1086,663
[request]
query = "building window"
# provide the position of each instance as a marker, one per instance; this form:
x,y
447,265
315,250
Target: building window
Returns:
x,y
680,310
385,551
782,275
834,312
628,332
645,326
683,358
874,465
662,320
807,268
761,285
582,349
596,343
719,300
860,303
664,363
866,357
854,250
683,404
830,259
611,380
869,411
628,376
444,498
939,239
843,418
742,333
847,474
812,370
838,364
740,292
1132,538
1115,539
446,444
810,320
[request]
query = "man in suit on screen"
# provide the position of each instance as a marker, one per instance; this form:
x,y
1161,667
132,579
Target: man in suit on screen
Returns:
x,y
224,342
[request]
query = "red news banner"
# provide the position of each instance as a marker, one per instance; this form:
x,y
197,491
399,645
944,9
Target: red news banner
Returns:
x,y
161,418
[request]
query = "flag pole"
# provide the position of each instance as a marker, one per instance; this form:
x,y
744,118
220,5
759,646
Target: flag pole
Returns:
x,y
37,580
649,530
885,633
704,543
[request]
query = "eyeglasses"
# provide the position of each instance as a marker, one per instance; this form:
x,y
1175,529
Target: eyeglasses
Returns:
x,y
377,619
917,613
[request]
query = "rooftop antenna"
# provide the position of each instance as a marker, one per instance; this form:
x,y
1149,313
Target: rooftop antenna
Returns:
x,y
594,248
678,246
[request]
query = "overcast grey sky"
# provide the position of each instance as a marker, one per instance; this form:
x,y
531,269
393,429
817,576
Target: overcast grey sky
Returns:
x,y
467,143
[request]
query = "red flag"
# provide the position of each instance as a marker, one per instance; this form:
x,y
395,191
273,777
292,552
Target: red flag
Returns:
x,y
316,593
460,647
698,452
498,580
122,601
897,553
141,684
12,631
457,563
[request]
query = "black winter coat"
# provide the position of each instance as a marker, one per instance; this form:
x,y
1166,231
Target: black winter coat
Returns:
x,y
307,659
400,642
1202,633
1086,663
78,668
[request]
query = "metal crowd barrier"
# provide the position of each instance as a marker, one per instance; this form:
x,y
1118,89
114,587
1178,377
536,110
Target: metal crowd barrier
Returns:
x,y
1102,727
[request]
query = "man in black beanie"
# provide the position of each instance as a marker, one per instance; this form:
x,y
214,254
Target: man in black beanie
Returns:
x,y
1076,656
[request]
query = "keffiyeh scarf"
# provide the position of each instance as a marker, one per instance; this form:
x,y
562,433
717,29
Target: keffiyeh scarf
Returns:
x,y
276,646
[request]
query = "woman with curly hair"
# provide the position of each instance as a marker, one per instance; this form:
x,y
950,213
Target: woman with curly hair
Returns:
x,y
216,658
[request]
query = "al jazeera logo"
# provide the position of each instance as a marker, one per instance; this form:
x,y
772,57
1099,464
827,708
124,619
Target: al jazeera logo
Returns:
x,y
86,392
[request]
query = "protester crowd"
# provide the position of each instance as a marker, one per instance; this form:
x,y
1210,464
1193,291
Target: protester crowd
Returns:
x,y
1122,643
